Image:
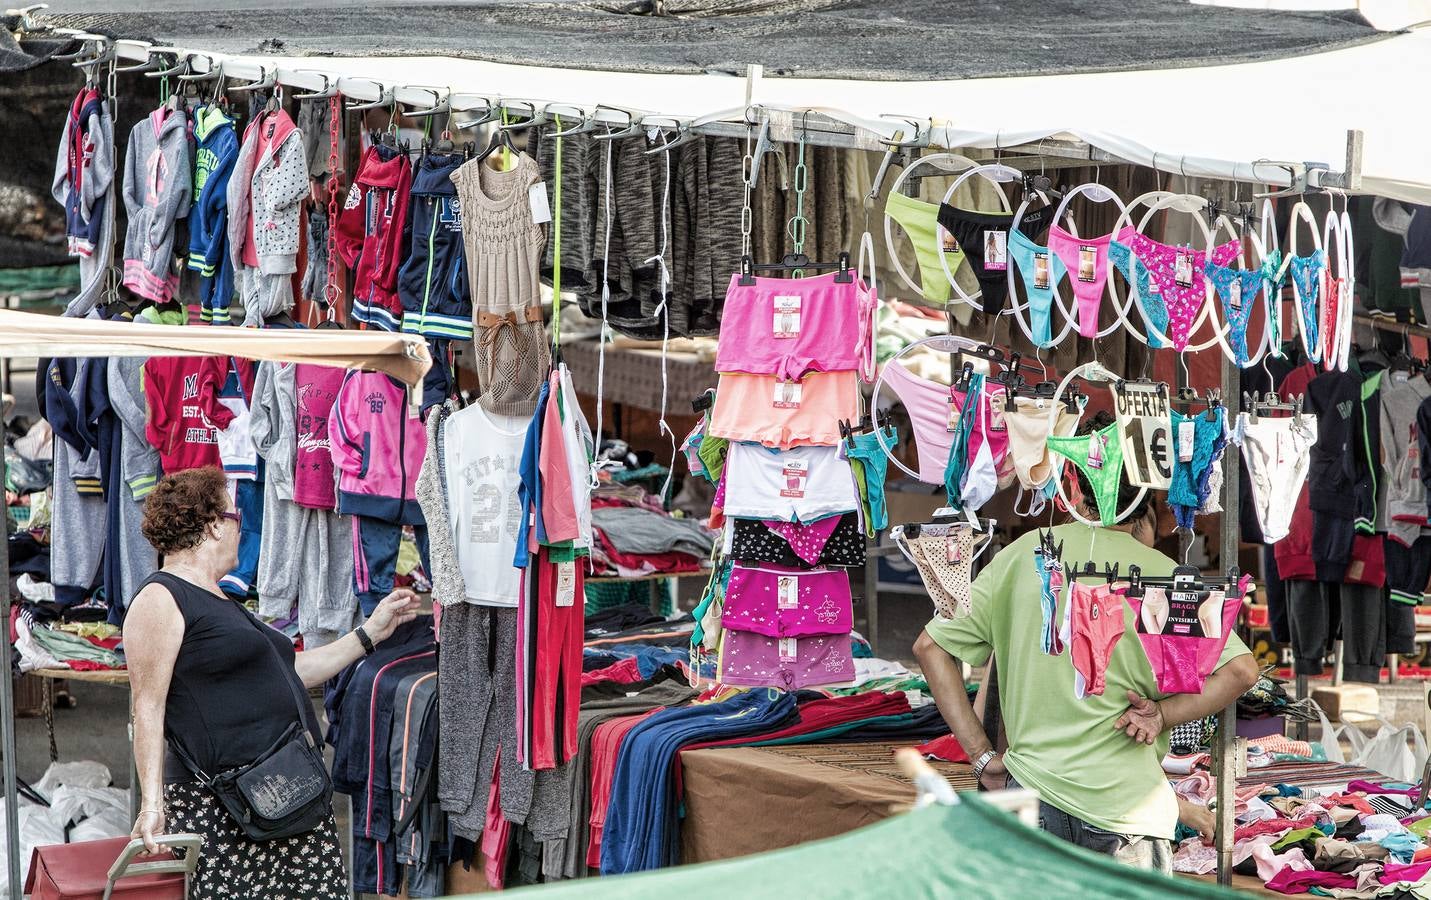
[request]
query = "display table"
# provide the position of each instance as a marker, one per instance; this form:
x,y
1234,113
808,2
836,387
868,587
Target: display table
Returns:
x,y
743,800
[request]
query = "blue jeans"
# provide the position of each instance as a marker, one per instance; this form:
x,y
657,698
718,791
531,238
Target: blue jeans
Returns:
x,y
1137,850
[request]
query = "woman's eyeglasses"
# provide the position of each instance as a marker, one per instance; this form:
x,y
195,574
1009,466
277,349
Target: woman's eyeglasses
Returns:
x,y
236,517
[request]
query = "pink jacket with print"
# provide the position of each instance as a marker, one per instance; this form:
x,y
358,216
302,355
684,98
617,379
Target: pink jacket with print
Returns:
x,y
377,448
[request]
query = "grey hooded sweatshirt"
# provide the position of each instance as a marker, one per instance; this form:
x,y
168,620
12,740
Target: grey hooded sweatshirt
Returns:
x,y
158,188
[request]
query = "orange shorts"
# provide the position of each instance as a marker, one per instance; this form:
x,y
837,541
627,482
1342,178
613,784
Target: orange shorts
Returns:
x,y
746,410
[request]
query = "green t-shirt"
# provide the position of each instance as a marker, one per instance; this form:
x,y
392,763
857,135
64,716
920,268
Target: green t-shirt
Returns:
x,y
1067,749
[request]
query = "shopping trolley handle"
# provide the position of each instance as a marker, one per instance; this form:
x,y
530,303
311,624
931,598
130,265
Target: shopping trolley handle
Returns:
x,y
125,865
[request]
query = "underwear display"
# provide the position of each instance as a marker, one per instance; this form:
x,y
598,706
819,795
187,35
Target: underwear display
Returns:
x,y
1306,272
801,484
1094,625
1136,274
1176,275
1237,289
1278,453
781,602
870,465
983,238
1197,444
971,476
756,660
1183,633
919,220
789,327
1099,456
944,556
1040,270
1050,573
1146,429
766,410
1027,425
832,541
1085,261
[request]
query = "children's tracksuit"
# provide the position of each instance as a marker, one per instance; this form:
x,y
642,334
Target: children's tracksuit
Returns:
x,y
84,186
265,194
216,150
158,187
377,448
371,235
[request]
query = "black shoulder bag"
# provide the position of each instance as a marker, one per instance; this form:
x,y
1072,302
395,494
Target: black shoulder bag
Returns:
x,y
286,791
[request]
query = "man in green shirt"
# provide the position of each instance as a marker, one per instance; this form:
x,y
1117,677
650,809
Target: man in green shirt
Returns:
x,y
1095,762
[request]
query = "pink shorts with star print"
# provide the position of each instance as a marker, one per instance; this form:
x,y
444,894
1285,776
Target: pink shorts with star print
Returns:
x,y
779,602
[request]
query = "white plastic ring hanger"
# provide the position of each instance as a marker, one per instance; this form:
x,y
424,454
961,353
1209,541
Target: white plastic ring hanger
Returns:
x,y
1301,211
943,343
1098,194
953,161
1194,206
1017,309
1092,371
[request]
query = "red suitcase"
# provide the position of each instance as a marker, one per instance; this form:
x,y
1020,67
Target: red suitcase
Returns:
x,y
98,870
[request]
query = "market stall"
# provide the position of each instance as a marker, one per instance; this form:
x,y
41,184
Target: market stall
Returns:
x,y
648,202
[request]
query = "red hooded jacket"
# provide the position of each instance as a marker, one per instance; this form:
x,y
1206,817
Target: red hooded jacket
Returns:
x,y
371,235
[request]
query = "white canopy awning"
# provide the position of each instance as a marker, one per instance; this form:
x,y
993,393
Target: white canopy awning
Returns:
x,y
1229,121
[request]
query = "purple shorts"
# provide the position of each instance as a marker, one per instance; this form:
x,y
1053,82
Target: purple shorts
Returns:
x,y
781,602
754,660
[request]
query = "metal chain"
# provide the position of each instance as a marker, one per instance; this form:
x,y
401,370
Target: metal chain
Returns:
x,y
747,215
798,222
331,293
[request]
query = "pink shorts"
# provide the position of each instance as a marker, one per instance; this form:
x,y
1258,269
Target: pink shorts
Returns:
x,y
754,660
746,409
780,602
789,327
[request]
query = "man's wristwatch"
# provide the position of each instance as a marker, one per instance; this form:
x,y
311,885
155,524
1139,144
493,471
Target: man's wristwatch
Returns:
x,y
366,641
982,763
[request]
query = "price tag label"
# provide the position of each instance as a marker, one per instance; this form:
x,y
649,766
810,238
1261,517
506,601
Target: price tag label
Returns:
x,y
787,649
1187,432
1234,295
787,592
541,208
795,473
996,413
955,413
566,584
787,317
787,395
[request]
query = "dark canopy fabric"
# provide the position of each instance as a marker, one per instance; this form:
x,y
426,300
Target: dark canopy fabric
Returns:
x,y
863,39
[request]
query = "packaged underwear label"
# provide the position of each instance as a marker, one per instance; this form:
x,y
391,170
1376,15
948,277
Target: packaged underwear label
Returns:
x,y
954,413
1187,434
953,549
1234,295
787,649
787,317
948,241
566,584
996,250
996,414
1095,451
787,592
1087,263
795,473
787,395
1183,268
1195,614
1041,270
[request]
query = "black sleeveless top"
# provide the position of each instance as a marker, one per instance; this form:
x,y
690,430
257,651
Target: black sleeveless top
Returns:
x,y
229,697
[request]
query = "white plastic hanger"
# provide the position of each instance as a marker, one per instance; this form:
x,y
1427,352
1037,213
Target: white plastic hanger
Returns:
x,y
952,162
996,174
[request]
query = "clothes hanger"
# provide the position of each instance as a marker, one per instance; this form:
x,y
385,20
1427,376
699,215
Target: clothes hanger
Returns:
x,y
1196,207
1093,371
1095,191
1303,213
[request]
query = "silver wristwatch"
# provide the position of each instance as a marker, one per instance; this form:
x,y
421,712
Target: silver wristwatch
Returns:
x,y
982,763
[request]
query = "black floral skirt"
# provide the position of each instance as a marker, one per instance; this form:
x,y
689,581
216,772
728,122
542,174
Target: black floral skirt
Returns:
x,y
303,867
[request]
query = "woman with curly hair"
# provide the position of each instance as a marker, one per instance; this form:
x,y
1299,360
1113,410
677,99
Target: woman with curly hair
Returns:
x,y
211,679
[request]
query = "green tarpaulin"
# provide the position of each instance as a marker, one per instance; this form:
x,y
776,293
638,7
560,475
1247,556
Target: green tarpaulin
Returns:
x,y
968,850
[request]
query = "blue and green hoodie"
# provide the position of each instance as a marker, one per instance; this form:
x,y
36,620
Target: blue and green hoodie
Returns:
x,y
216,149
432,283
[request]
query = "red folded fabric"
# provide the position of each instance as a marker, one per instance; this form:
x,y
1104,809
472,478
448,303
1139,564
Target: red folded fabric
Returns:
x,y
628,671
945,748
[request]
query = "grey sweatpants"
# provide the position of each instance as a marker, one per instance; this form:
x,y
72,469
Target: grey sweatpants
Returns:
x,y
306,556
77,528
